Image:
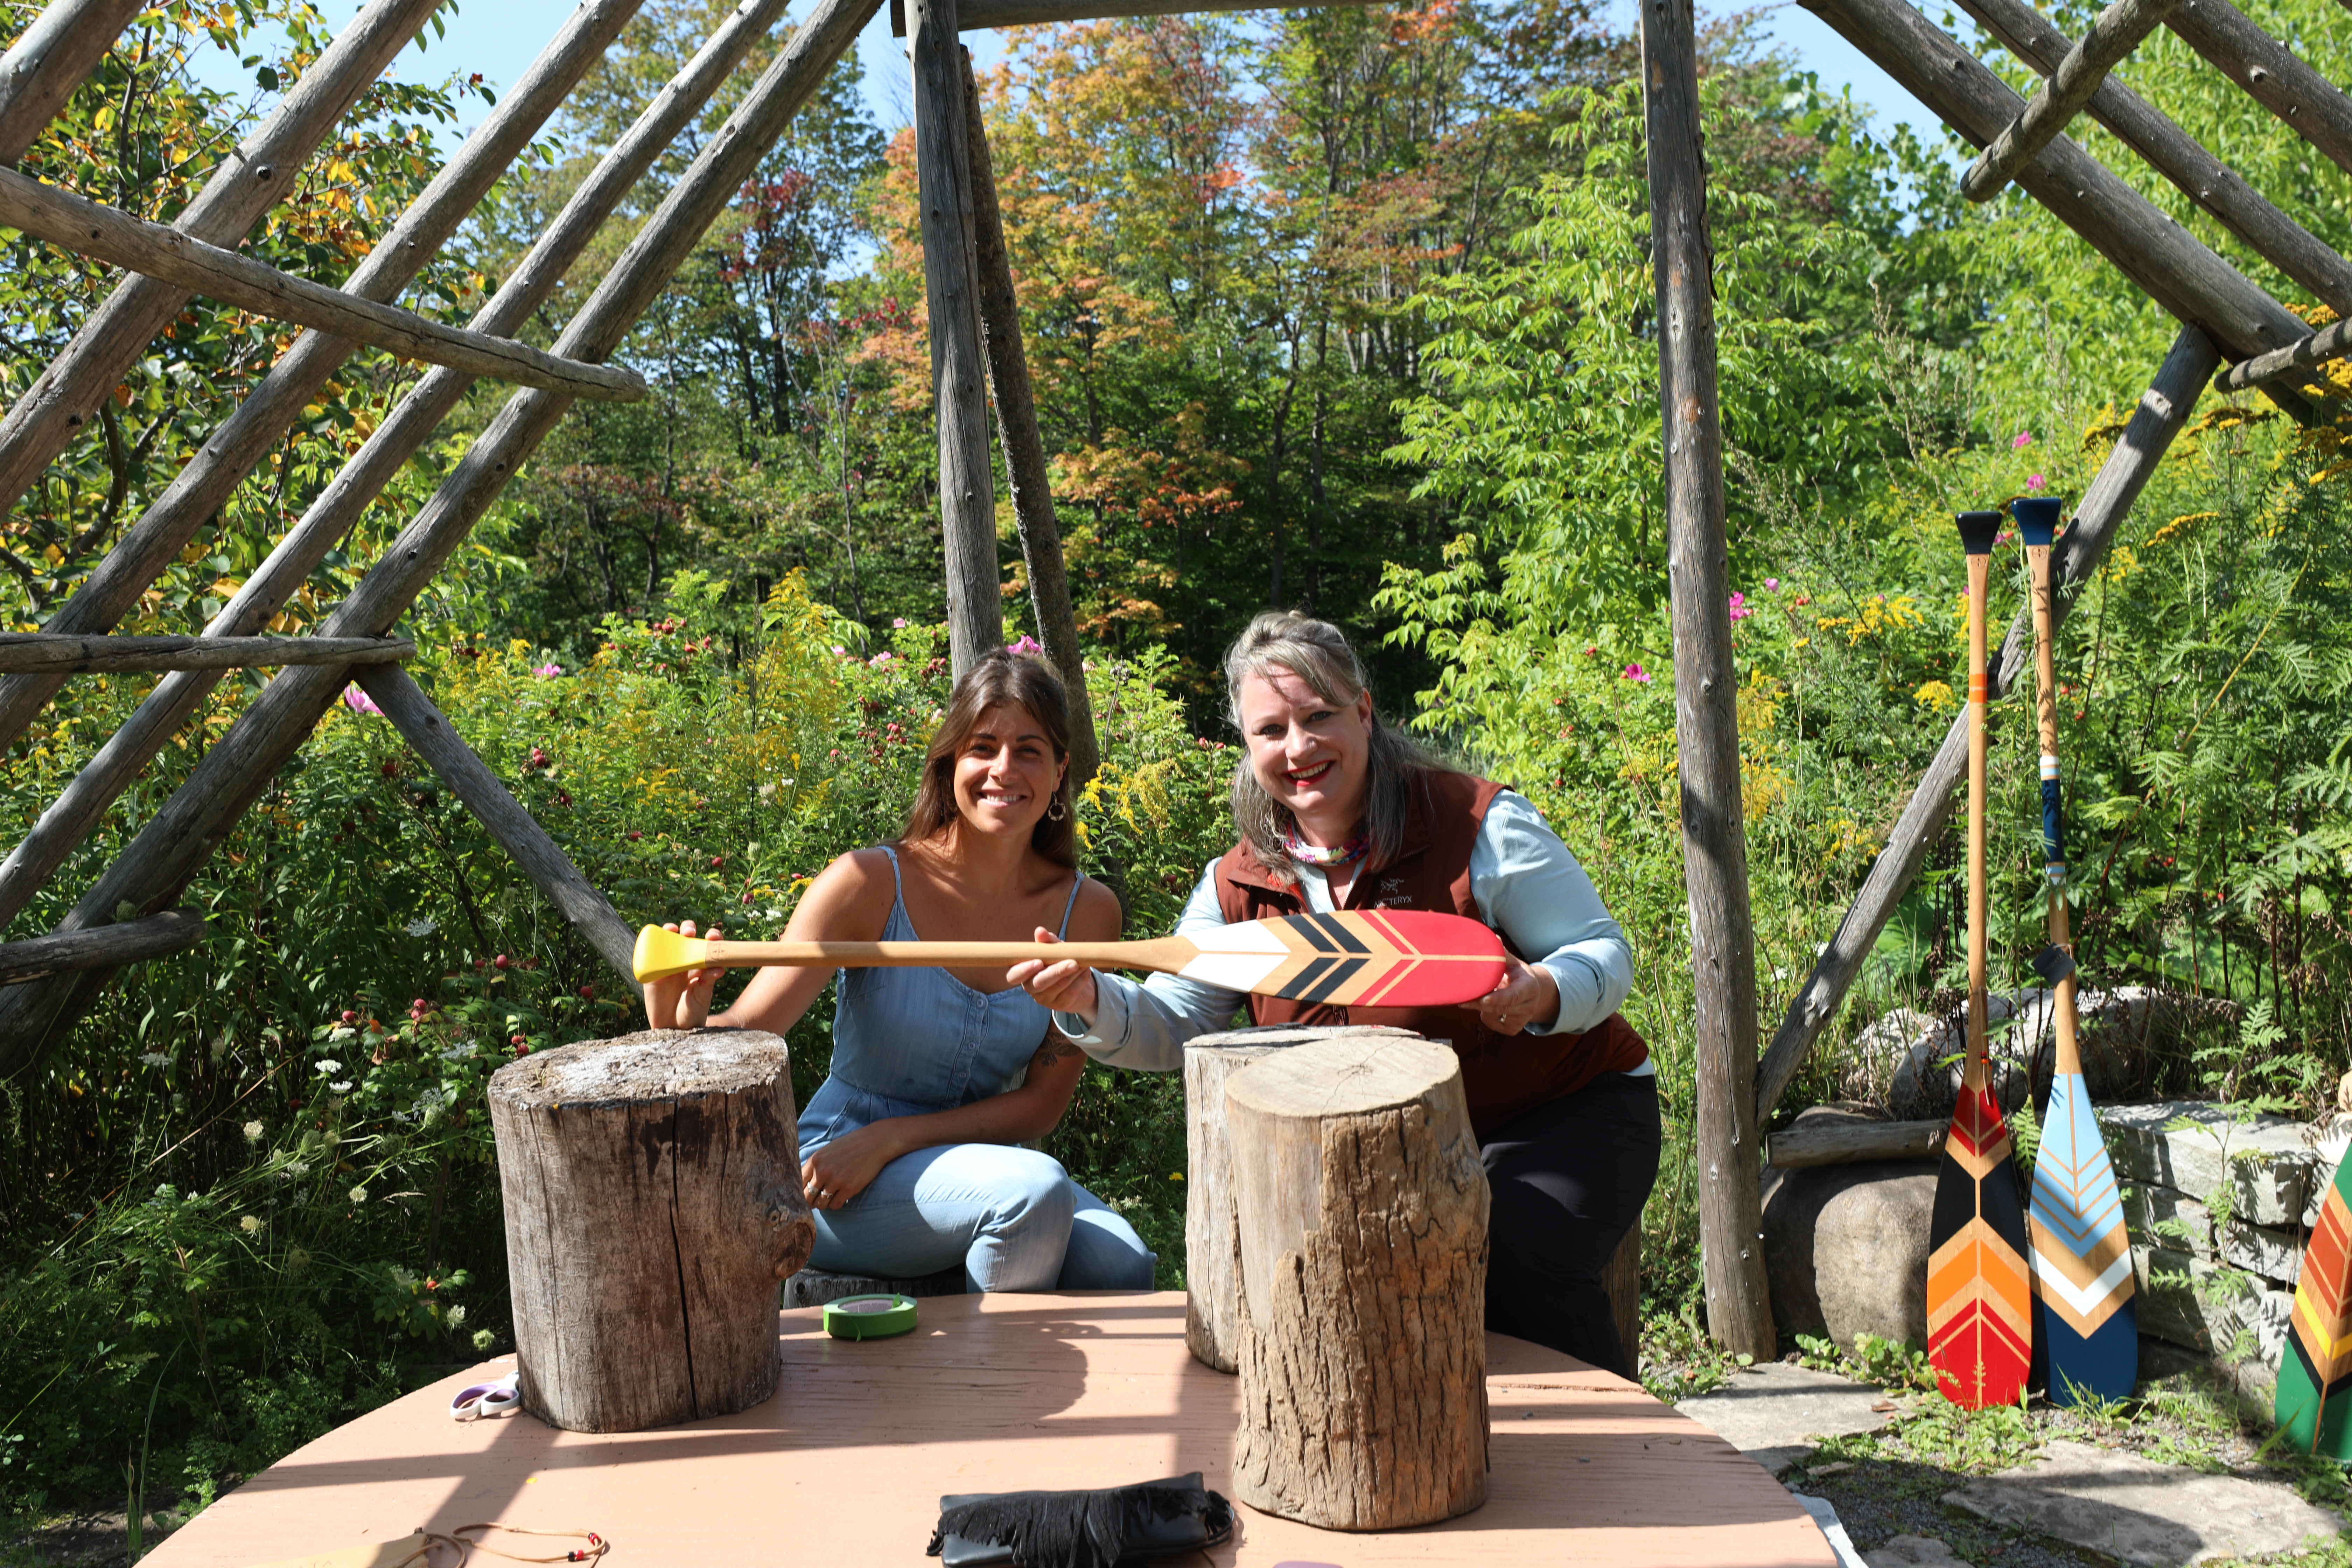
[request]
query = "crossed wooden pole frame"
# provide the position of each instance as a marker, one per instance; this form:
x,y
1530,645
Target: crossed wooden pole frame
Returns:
x,y
48,982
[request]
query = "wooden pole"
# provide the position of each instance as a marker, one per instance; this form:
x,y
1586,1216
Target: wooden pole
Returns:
x,y
2163,409
975,14
225,458
2218,189
151,249
1707,722
238,767
2269,72
2145,246
958,397
229,454
50,59
430,734
1024,445
2113,34
82,655
107,946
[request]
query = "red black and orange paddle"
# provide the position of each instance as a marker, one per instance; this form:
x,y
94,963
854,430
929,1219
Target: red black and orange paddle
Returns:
x,y
1979,1296
1379,958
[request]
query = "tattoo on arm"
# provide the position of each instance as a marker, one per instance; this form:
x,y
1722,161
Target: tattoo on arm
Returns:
x,y
1056,1049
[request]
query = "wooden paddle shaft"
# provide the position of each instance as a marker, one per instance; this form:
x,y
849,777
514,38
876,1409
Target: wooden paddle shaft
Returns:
x,y
1165,954
1977,1072
2045,712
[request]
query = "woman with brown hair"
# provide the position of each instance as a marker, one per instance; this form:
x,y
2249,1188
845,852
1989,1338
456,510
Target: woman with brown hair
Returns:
x,y
1339,810
909,1150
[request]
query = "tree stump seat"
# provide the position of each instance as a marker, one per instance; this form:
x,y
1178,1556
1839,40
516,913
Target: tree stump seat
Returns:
x,y
653,1204
1361,1206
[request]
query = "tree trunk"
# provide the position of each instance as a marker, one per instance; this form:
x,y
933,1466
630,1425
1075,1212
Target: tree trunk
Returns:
x,y
653,1200
1213,1258
1362,1212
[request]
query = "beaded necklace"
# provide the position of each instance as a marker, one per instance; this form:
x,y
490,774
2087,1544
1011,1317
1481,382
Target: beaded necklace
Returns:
x,y
1308,853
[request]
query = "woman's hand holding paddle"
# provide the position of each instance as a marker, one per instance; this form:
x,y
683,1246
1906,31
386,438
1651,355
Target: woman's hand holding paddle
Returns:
x,y
681,1001
1525,997
1064,987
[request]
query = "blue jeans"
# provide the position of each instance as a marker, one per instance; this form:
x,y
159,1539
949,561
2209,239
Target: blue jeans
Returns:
x,y
1011,1216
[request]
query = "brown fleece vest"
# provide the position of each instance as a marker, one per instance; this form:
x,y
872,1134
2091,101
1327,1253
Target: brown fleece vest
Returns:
x,y
1502,1075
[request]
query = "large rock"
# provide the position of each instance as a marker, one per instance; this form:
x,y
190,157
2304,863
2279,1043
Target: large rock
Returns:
x,y
2197,1149
2228,1319
1910,1061
1845,1250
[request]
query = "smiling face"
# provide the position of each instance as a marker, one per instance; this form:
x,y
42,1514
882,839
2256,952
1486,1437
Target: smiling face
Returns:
x,y
1005,771
1310,753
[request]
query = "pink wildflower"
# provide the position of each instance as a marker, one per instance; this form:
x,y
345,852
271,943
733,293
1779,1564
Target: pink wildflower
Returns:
x,y
879,659
548,671
1028,644
1739,608
2034,481
358,701
2023,438
899,622
1636,672
1771,585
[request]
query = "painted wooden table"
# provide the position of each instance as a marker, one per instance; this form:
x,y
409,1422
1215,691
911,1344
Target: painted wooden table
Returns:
x,y
1001,1393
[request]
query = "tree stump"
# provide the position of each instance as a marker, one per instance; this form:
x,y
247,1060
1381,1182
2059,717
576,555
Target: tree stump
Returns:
x,y
1622,1280
1362,1346
1213,1260
652,1202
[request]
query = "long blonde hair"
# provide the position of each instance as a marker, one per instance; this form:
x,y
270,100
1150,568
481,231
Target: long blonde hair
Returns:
x,y
1318,653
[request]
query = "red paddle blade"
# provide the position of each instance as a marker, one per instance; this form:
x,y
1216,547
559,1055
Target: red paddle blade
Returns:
x,y
1979,1293
1367,958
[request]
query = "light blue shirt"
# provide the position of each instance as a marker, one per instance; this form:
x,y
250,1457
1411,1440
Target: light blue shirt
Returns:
x,y
1525,883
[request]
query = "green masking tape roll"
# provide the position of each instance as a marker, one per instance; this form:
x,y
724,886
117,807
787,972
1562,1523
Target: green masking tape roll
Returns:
x,y
869,1317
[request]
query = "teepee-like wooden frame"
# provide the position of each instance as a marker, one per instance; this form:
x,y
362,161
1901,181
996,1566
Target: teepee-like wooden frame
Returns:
x,y
46,983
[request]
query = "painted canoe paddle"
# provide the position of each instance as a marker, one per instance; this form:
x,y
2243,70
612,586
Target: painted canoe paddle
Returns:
x,y
2314,1404
1980,1294
2074,1214
1371,958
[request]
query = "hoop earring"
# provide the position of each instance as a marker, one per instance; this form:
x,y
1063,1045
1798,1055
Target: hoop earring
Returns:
x,y
1060,811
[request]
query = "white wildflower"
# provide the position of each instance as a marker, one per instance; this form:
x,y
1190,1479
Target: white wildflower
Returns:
x,y
342,1087
327,1065
484,1339
421,926
248,1225
455,1316
342,1032
156,1058
253,1132
458,1052
359,1194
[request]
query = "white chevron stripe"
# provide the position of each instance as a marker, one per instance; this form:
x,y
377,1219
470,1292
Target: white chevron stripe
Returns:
x,y
1233,971
2088,1296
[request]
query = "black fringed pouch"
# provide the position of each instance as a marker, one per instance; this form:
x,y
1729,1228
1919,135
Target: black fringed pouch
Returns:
x,y
1105,1528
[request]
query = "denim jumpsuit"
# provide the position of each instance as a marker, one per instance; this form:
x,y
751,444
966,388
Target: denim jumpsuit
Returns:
x,y
909,1041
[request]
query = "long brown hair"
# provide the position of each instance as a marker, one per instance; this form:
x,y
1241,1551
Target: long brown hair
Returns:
x,y
1318,653
1001,676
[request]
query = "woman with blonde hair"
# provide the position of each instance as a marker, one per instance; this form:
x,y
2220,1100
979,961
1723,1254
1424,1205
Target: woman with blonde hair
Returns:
x,y
910,1150
1339,810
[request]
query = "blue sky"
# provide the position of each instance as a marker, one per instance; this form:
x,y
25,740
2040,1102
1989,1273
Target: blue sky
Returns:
x,y
500,38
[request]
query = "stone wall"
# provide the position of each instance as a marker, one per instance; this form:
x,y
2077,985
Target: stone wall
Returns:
x,y
2219,1205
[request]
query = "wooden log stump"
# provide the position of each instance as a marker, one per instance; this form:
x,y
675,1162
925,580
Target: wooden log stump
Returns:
x,y
652,1202
1362,1346
1213,1260
1621,1278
